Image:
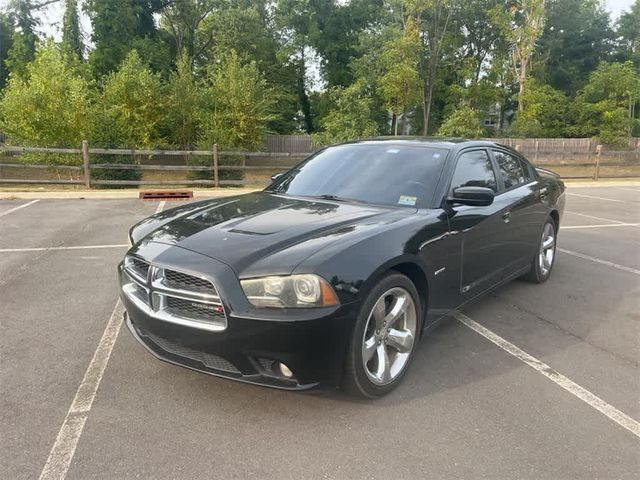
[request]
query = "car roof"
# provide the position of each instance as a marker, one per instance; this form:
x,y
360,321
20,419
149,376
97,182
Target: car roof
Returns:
x,y
436,142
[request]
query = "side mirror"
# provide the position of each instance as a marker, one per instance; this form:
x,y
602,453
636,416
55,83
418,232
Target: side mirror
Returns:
x,y
473,196
275,176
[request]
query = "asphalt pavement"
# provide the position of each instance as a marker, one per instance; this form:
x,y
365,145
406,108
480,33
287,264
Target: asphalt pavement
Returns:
x,y
468,408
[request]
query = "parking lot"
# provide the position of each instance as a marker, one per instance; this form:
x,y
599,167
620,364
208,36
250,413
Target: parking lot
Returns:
x,y
80,398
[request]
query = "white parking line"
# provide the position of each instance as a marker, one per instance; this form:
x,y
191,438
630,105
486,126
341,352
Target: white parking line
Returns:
x,y
593,216
570,386
598,198
600,261
11,210
637,190
573,227
46,249
64,448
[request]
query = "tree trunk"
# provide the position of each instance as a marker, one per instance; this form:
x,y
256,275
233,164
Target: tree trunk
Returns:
x,y
520,95
394,123
426,107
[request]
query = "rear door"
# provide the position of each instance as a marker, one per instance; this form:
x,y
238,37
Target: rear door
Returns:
x,y
522,212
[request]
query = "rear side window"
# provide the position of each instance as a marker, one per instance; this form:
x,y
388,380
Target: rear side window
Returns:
x,y
512,170
474,169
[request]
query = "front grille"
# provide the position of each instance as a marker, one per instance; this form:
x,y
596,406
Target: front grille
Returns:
x,y
173,296
182,281
193,309
207,359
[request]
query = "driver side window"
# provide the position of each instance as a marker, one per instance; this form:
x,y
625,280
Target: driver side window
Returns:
x,y
474,169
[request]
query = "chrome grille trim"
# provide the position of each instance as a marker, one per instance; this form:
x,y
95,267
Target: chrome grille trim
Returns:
x,y
151,294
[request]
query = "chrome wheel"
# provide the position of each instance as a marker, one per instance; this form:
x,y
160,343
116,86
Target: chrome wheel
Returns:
x,y
547,249
389,336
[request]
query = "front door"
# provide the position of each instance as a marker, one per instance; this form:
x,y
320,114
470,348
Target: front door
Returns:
x,y
479,232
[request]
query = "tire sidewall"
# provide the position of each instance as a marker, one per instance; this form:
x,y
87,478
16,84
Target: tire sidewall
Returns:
x,y
536,264
357,380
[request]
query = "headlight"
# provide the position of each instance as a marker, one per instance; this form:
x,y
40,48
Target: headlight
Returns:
x,y
295,291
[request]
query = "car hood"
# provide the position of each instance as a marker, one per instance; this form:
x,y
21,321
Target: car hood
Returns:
x,y
241,231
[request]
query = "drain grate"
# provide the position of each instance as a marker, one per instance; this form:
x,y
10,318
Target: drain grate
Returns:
x,y
166,195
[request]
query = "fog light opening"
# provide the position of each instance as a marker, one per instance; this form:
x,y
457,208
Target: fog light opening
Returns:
x,y
284,370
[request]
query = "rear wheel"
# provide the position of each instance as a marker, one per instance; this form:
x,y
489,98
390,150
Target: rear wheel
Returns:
x,y
384,337
542,262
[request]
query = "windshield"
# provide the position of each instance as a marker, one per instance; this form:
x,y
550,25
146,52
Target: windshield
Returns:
x,y
379,174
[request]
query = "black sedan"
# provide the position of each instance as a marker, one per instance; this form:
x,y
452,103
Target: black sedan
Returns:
x,y
333,273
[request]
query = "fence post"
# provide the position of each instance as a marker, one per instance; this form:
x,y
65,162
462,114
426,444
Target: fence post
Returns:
x,y
596,170
216,182
537,151
85,164
564,144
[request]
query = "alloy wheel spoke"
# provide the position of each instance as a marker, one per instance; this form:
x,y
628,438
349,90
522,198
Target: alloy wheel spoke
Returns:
x,y
383,373
369,349
547,243
378,313
397,310
401,340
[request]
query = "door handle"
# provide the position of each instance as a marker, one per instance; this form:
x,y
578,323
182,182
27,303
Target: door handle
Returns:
x,y
506,217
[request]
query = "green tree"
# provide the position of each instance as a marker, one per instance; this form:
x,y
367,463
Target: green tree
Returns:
x,y
237,105
180,123
71,36
545,112
350,117
128,110
462,122
24,38
577,37
49,106
434,17
521,25
629,34
606,105
118,26
6,40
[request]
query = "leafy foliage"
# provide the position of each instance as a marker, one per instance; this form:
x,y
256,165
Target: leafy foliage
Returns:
x,y
128,109
545,112
71,36
192,73
237,105
181,122
24,38
49,107
606,104
463,122
6,40
350,117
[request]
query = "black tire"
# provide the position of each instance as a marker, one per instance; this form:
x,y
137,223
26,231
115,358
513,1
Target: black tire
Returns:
x,y
538,273
355,380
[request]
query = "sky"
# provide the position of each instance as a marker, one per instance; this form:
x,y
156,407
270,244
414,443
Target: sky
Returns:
x,y
51,17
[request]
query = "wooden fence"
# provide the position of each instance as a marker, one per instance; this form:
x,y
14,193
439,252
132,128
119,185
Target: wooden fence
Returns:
x,y
572,158
84,171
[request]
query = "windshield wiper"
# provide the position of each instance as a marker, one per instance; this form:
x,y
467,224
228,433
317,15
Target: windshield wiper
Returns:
x,y
336,198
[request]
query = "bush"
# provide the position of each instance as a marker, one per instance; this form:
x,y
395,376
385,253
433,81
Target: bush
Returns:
x,y
349,118
49,107
463,122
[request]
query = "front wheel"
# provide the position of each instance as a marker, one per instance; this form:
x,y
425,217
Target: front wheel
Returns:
x,y
542,262
384,337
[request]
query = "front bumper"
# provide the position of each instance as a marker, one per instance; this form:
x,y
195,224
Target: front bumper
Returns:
x,y
313,350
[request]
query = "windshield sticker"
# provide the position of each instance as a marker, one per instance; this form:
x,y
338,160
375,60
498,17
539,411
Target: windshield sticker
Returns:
x,y
407,200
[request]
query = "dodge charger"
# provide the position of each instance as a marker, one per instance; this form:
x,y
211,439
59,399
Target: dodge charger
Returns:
x,y
333,273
